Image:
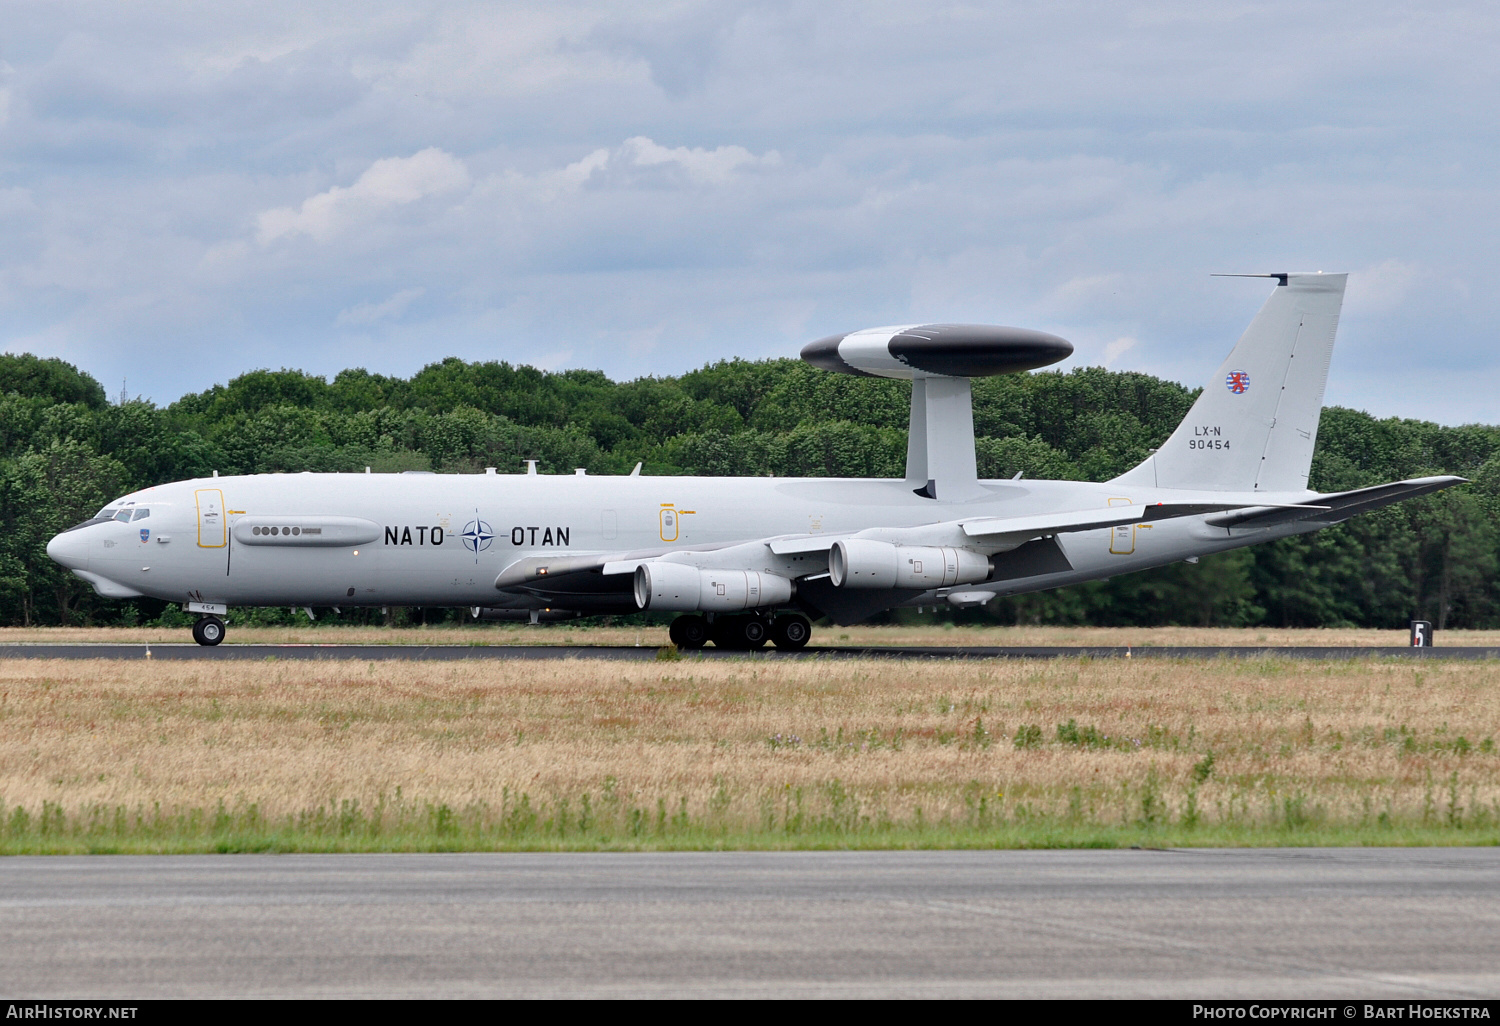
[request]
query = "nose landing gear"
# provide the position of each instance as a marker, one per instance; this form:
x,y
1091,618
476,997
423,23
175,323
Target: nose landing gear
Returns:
x,y
208,631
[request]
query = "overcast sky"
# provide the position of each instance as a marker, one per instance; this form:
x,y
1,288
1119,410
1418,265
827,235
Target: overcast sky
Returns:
x,y
189,191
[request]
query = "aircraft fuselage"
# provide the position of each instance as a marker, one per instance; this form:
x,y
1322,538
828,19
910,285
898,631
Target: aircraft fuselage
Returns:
x,y
442,539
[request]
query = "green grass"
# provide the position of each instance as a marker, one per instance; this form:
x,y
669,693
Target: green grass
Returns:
x,y
789,821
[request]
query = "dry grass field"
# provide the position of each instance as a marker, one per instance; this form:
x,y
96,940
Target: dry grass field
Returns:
x,y
137,756
565,634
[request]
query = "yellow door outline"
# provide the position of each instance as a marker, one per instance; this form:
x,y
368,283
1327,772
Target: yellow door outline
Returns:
x,y
670,520
213,531
1121,536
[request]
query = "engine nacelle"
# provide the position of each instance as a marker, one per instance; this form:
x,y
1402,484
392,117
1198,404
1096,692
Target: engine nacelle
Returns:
x,y
678,588
861,563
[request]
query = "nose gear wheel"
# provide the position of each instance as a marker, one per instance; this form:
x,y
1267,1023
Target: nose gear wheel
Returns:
x,y
208,631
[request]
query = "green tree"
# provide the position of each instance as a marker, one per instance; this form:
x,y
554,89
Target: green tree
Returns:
x,y
50,379
43,492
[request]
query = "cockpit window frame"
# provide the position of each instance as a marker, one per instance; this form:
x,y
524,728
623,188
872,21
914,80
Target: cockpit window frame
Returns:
x,y
90,522
121,511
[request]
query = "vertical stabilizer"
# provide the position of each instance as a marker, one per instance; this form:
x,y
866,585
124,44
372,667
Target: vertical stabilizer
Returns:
x,y
1256,423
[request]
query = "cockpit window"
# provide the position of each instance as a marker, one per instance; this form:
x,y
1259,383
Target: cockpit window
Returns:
x,y
123,516
142,514
107,513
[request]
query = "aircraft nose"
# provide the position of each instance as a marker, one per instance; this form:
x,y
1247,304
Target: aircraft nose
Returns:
x,y
71,549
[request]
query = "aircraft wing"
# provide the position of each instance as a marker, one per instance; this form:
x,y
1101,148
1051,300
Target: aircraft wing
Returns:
x,y
798,545
534,572
1018,530
1088,519
1037,526
1335,507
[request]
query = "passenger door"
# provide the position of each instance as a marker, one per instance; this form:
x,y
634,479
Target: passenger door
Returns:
x,y
213,522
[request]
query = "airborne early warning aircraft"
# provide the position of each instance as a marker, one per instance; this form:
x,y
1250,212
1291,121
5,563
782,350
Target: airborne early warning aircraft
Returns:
x,y
747,560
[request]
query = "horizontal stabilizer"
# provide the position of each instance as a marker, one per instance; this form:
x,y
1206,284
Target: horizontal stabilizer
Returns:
x,y
1331,509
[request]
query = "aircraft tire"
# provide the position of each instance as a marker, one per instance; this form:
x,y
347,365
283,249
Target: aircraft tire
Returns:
x,y
741,633
754,632
688,632
790,631
722,631
208,631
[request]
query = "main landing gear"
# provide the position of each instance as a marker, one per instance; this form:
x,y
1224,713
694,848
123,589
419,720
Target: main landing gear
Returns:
x,y
209,630
745,632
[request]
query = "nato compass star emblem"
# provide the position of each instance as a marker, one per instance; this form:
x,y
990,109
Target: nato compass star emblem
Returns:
x,y
477,536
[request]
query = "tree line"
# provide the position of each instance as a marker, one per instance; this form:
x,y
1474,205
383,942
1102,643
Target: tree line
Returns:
x,y
66,449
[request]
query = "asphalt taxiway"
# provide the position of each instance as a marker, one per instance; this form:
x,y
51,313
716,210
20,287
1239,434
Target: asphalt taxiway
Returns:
x,y
444,652
1332,923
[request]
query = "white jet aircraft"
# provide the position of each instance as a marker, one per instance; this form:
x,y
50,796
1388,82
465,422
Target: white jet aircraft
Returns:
x,y
747,560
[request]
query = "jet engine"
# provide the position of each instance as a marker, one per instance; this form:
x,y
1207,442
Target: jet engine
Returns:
x,y
862,563
676,587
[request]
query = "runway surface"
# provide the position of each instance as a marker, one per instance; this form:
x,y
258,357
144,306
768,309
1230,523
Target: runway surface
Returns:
x,y
386,652
1341,923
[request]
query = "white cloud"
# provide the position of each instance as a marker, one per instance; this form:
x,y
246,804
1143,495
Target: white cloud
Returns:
x,y
1086,293
16,201
644,189
701,165
580,171
1382,288
553,361
6,73
369,313
394,181
1118,348
637,161
698,165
